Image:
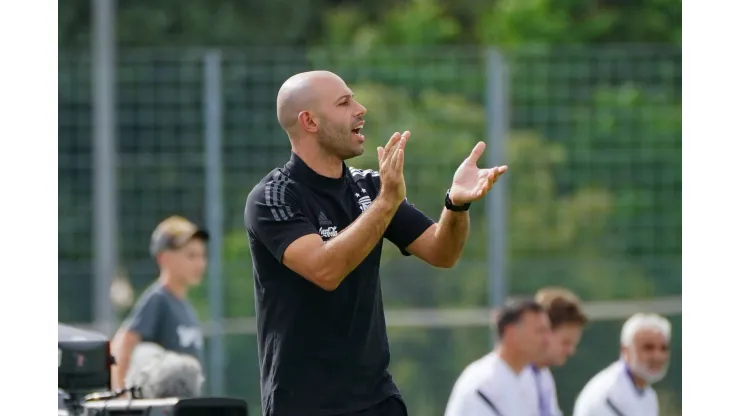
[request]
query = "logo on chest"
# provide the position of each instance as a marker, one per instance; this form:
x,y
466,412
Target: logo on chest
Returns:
x,y
190,336
327,229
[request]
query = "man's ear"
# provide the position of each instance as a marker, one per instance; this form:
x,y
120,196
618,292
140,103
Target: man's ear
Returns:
x,y
624,352
308,122
162,256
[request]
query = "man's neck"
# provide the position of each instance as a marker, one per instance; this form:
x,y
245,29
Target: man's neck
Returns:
x,y
512,359
320,162
179,290
639,382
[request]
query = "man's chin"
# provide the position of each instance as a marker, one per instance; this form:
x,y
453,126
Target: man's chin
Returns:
x,y
353,153
559,362
649,375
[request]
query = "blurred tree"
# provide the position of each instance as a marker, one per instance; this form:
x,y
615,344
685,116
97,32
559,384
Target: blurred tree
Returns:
x,y
629,140
425,22
197,22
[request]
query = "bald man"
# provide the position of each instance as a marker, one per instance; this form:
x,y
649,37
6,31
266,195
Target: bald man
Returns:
x,y
316,230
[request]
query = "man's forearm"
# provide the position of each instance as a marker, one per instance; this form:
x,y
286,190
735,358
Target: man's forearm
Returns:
x,y
346,251
450,236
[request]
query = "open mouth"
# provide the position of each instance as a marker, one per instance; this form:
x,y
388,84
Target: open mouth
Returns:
x,y
358,130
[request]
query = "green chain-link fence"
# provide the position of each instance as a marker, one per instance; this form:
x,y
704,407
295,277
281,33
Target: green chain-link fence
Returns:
x,y
593,192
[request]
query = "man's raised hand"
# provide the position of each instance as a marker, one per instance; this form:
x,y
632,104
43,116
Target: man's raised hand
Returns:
x,y
390,162
471,183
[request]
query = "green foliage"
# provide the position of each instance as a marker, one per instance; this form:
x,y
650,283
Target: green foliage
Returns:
x,y
414,23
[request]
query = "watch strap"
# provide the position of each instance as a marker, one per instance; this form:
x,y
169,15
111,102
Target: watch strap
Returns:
x,y
455,208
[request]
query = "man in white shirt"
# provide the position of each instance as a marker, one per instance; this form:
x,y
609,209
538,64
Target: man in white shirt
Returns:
x,y
624,388
497,385
567,320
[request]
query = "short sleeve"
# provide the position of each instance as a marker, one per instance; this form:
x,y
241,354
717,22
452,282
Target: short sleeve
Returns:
x,y
273,216
144,318
407,225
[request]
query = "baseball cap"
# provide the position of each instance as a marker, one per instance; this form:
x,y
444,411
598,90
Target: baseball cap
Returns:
x,y
173,233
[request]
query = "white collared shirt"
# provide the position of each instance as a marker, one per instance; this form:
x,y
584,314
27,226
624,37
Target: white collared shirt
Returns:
x,y
612,392
546,387
489,387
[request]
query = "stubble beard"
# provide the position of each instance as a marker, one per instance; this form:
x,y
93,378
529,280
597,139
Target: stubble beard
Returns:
x,y
338,142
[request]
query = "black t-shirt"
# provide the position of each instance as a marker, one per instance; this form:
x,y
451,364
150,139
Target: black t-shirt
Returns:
x,y
320,352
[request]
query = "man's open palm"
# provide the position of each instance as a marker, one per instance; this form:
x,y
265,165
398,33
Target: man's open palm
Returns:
x,y
471,183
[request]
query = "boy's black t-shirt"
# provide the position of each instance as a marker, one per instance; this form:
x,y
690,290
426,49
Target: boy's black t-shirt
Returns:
x,y
320,352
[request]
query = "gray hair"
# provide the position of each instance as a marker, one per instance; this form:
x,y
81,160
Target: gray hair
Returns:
x,y
642,321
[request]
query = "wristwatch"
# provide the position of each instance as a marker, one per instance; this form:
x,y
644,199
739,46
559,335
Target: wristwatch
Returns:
x,y
455,208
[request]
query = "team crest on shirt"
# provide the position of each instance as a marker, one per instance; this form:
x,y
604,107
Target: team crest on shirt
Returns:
x,y
363,200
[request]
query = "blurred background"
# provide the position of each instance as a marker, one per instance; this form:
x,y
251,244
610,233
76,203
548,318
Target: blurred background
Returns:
x,y
168,107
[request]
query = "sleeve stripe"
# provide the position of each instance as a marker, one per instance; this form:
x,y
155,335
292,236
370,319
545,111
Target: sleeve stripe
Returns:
x,y
282,198
268,201
275,199
613,407
489,403
360,173
276,202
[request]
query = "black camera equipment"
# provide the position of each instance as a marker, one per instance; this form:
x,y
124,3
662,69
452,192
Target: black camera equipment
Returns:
x,y
84,384
84,364
202,406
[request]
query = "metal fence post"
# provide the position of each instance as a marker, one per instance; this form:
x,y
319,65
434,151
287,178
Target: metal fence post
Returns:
x,y
105,222
497,116
212,99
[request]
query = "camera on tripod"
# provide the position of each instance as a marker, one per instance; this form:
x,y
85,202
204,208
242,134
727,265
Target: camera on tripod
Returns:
x,y
84,375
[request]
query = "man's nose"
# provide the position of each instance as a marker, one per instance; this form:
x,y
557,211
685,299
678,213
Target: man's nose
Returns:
x,y
361,110
657,357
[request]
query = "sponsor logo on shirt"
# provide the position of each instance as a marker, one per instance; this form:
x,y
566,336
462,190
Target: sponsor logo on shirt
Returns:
x,y
328,232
